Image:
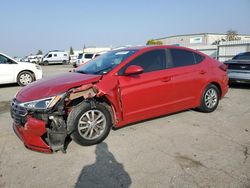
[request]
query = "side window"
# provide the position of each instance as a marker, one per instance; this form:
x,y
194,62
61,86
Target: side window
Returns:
x,y
55,55
50,55
149,61
89,56
182,57
198,58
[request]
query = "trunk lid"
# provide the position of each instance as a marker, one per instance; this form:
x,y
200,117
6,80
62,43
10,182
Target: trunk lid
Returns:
x,y
243,65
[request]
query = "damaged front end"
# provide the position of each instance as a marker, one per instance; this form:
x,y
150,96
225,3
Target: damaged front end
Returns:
x,y
41,124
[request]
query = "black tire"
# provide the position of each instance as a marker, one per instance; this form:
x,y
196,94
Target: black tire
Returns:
x,y
210,99
24,78
64,62
45,63
79,113
232,82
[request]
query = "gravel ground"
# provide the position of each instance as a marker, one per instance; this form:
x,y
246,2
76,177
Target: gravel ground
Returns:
x,y
187,149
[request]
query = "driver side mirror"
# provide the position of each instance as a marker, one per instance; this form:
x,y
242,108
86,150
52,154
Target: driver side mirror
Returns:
x,y
133,70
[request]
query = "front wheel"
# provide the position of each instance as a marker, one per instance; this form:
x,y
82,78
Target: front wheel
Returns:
x,y
24,78
210,99
89,126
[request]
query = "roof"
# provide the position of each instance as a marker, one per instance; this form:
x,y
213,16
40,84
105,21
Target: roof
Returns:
x,y
151,47
198,34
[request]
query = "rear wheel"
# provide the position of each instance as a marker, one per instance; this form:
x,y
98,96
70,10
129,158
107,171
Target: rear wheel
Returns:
x,y
46,63
64,62
210,99
89,126
24,78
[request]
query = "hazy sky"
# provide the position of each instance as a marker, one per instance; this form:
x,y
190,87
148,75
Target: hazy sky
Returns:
x,y
30,25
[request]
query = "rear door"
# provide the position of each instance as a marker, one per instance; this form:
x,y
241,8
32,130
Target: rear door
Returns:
x,y
188,76
148,94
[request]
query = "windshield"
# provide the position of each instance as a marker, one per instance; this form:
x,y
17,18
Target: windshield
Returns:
x,y
106,62
45,55
80,56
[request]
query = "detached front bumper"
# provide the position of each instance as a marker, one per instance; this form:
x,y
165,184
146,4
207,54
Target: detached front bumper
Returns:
x,y
33,134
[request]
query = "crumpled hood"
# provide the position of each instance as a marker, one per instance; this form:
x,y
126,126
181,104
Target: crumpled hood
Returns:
x,y
52,86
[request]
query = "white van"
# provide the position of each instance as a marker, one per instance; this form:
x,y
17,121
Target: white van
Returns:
x,y
55,57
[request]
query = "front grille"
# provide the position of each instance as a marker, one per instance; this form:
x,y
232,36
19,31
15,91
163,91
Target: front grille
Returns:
x,y
239,66
18,112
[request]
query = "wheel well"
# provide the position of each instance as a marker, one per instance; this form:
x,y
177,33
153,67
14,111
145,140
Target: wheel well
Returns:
x,y
27,71
102,99
218,86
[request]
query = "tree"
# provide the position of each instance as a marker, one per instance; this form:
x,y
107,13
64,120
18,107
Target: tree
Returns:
x,y
232,35
154,42
71,51
39,52
217,42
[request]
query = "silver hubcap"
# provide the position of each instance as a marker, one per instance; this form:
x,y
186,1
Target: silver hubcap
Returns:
x,y
211,98
92,124
25,79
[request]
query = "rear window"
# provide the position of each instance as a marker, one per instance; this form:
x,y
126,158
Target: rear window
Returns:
x,y
243,56
198,58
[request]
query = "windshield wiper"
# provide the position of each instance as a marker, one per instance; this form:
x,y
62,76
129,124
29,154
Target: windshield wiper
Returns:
x,y
82,72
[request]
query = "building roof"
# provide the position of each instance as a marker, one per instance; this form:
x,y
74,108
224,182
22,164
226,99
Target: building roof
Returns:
x,y
183,35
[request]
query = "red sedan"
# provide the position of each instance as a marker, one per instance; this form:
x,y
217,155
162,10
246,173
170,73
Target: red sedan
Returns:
x,y
115,89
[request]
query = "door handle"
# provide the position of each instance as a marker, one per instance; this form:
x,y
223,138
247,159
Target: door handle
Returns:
x,y
203,72
166,79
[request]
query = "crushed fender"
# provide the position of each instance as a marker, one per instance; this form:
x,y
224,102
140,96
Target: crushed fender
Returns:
x,y
86,91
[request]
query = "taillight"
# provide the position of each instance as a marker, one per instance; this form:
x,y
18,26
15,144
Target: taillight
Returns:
x,y
223,67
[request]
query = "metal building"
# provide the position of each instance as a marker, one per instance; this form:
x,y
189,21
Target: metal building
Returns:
x,y
228,49
197,39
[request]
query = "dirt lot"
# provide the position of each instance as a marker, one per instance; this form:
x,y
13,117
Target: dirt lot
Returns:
x,y
187,149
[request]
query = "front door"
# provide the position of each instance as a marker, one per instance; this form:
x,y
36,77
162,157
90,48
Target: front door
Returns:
x,y
147,94
7,69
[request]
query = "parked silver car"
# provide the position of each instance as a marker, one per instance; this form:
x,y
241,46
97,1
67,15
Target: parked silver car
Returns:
x,y
239,68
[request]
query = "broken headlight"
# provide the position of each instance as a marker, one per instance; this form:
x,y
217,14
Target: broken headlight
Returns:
x,y
42,104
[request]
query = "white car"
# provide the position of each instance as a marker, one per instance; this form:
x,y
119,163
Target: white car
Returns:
x,y
23,73
35,58
85,57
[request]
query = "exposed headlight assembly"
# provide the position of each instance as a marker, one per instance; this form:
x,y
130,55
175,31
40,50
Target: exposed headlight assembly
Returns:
x,y
42,104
